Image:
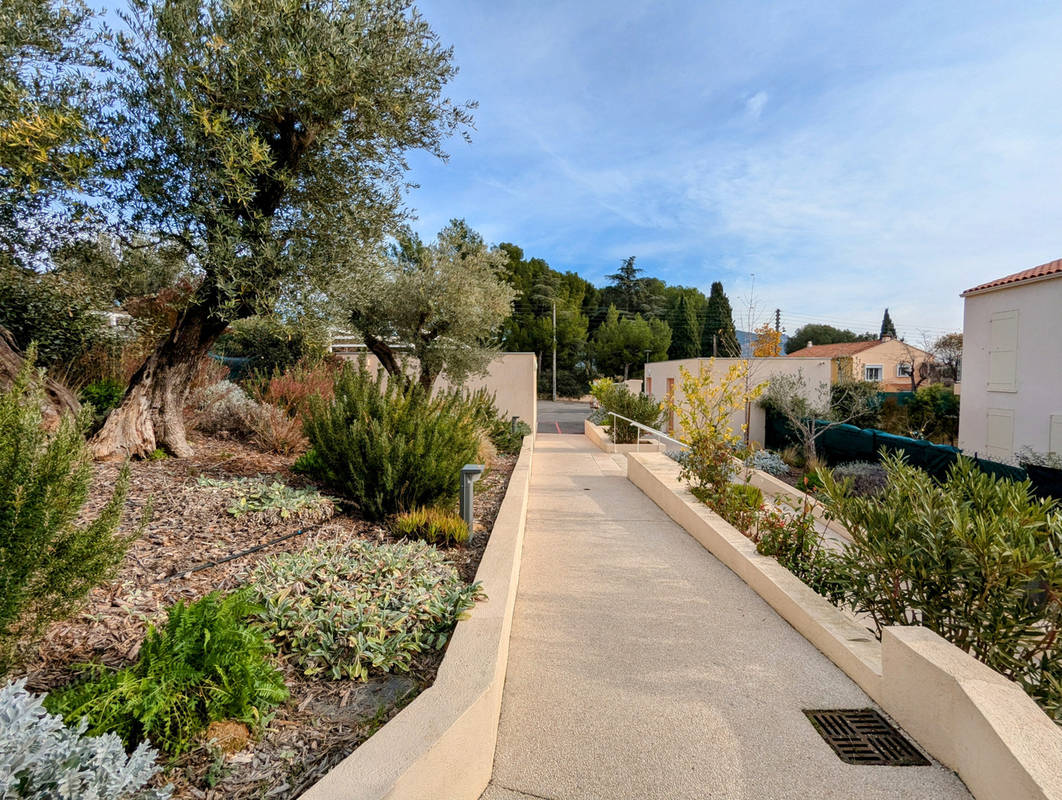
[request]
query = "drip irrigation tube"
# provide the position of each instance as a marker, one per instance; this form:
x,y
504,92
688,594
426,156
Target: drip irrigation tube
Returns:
x,y
208,564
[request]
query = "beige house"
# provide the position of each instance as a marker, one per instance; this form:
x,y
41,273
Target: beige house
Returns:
x,y
1012,364
662,378
885,361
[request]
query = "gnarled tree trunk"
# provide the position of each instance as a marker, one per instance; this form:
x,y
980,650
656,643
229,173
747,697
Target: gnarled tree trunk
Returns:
x,y
152,413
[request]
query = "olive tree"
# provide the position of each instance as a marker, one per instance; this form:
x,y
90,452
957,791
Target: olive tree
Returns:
x,y
269,139
48,143
436,308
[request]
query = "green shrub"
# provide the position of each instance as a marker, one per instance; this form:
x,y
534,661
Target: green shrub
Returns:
x,y
273,499
390,448
975,558
858,402
49,561
933,413
737,503
617,398
344,609
431,525
206,664
271,345
36,309
788,535
103,395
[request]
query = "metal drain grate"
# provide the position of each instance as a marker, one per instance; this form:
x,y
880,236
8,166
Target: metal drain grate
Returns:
x,y
863,736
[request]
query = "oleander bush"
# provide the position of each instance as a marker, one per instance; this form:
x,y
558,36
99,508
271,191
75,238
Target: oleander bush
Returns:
x,y
40,757
50,558
768,461
386,446
272,498
433,525
348,609
206,663
975,558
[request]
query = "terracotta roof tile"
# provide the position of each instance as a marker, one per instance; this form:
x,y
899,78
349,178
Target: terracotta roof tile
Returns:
x,y
834,350
1042,271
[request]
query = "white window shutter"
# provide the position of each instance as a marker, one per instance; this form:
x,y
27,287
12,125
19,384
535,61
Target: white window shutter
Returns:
x,y
1000,438
1003,352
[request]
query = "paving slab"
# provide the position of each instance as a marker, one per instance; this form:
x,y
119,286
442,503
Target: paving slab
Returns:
x,y
641,667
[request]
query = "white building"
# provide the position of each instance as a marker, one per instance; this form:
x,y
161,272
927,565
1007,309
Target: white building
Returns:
x,y
1012,364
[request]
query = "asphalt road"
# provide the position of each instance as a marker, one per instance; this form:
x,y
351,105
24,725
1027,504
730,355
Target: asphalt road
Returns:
x,y
561,417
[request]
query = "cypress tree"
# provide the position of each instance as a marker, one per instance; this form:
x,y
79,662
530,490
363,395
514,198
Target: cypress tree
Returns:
x,y
686,331
719,322
887,328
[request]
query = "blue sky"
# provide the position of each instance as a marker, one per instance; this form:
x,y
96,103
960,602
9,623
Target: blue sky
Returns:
x,y
851,156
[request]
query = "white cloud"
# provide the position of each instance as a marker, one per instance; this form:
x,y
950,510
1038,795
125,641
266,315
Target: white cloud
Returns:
x,y
754,104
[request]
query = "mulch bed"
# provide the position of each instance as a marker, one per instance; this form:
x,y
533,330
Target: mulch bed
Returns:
x,y
323,720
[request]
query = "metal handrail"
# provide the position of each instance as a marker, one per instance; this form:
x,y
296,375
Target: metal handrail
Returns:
x,y
641,427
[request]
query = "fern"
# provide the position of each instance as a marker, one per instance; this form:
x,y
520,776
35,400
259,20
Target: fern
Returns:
x,y
206,664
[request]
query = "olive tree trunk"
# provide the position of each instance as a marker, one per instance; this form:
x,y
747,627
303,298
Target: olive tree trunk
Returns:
x,y
151,415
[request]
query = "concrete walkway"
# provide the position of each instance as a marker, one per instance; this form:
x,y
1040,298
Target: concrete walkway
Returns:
x,y
640,667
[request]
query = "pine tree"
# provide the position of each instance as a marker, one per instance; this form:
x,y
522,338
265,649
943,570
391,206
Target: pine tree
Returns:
x,y
887,328
719,322
628,285
686,334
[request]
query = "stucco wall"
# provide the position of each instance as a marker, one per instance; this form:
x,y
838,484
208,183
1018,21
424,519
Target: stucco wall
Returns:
x,y
816,373
1039,366
513,377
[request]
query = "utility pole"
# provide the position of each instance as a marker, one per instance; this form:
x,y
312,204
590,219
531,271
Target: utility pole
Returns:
x,y
554,351
715,345
778,320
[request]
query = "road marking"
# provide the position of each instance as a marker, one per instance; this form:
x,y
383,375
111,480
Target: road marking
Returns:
x,y
558,426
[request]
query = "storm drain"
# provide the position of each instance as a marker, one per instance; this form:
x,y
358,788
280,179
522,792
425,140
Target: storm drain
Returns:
x,y
863,736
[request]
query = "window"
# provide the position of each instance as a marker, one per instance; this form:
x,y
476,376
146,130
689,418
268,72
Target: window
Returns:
x,y
872,372
903,369
1003,352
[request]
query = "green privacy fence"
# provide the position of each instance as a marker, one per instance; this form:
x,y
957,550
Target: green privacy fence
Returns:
x,y
843,443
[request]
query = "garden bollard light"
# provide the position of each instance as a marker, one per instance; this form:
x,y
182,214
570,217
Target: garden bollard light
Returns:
x,y
470,473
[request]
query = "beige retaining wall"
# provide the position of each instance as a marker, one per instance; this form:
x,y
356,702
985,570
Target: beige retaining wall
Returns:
x,y
967,716
599,437
441,746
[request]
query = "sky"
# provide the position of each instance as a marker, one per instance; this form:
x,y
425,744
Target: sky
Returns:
x,y
827,159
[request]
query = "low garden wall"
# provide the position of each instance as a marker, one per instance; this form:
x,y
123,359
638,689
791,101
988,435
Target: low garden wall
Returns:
x,y
441,746
600,439
968,717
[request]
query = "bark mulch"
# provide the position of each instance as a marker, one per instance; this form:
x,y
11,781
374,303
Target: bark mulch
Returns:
x,y
323,720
